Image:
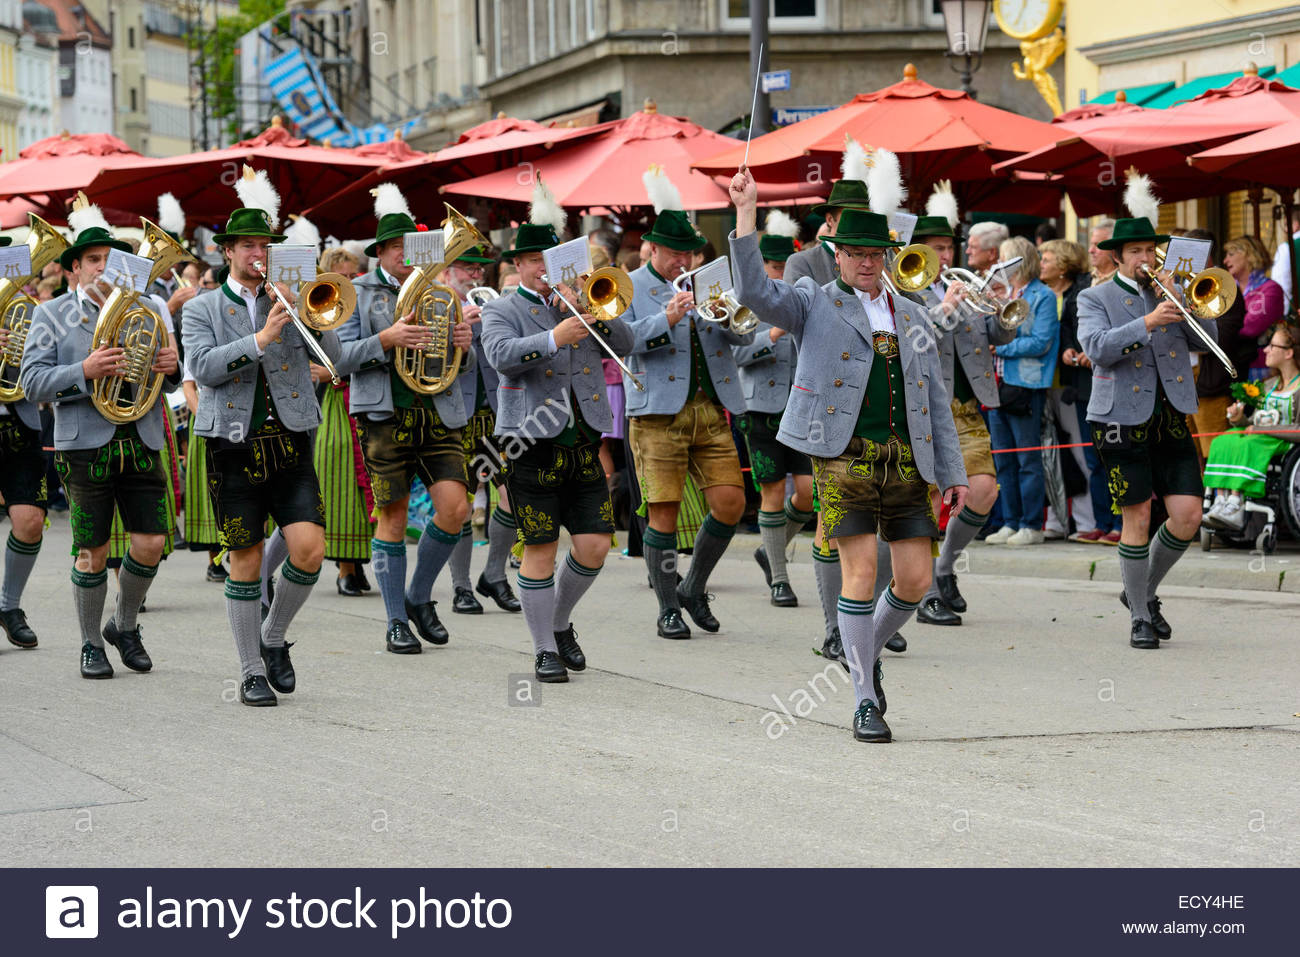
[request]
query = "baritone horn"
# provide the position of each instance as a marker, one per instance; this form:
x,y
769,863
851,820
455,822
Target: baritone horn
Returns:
x,y
481,295
16,307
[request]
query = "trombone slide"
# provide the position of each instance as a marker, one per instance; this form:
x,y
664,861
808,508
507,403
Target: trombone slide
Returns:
x,y
1191,322
600,340
312,345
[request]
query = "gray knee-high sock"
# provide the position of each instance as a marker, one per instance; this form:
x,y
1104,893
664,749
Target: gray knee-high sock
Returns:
x,y
1166,549
570,585
771,529
961,532
291,594
501,538
274,553
460,556
891,612
88,591
826,572
537,595
1135,573
246,625
390,572
795,520
432,553
133,583
660,550
856,631
710,542
884,568
20,559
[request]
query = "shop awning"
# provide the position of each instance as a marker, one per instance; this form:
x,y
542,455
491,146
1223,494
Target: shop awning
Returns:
x,y
1138,95
1189,91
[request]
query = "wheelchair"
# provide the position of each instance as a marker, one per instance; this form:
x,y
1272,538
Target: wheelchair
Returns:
x,y
1281,498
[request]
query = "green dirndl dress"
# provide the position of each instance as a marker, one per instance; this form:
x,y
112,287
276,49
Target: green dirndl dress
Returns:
x,y
1238,461
348,529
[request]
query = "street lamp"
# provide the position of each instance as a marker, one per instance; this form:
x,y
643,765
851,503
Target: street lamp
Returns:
x,y
967,25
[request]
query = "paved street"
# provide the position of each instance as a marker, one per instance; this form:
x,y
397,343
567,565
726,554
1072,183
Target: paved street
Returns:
x,y
1032,735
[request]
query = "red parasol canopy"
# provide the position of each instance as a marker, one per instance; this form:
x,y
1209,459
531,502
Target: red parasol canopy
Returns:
x,y
49,173
1270,157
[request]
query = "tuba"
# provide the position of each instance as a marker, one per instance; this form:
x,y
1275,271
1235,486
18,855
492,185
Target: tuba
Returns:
x,y
125,321
16,306
434,368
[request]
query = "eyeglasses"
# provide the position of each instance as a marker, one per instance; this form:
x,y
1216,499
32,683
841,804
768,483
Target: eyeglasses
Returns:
x,y
857,255
1278,345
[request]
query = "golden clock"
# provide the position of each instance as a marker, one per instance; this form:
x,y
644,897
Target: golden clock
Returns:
x,y
1028,19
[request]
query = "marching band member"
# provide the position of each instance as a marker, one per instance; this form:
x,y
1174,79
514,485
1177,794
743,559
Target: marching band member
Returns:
x,y
766,369
1142,391
868,405
551,405
678,424
404,434
101,464
257,410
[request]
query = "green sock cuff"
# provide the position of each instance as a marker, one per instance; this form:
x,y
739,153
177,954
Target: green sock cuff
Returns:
x,y
661,540
24,548
832,559
503,518
794,515
1135,552
438,535
711,526
1170,540
894,601
129,564
581,569
89,579
771,519
851,606
467,530
243,591
535,584
388,548
972,517
292,573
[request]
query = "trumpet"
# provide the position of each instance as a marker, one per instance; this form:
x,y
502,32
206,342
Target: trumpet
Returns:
x,y
607,293
1208,299
328,301
481,295
724,308
980,296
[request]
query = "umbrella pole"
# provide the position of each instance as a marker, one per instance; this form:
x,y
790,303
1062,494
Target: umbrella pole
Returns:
x,y
1256,196
1288,207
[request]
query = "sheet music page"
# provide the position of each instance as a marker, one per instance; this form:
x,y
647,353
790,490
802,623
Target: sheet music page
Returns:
x,y
292,264
1186,257
127,270
423,249
567,261
903,224
15,262
711,280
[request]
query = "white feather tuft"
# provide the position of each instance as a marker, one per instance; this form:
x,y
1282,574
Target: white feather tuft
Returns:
x,y
661,190
1140,199
885,189
255,191
170,215
388,200
85,215
943,203
302,232
545,210
357,247
855,164
781,224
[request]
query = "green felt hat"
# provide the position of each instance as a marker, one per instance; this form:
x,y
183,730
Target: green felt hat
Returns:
x,y
475,254
845,193
6,240
532,238
861,227
776,248
247,222
92,236
1136,230
391,226
674,229
932,226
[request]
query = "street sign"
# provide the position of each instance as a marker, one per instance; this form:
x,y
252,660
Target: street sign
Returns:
x,y
776,80
785,115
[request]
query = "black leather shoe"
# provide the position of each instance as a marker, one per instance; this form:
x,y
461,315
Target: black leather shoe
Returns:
x,y
877,676
256,693
697,606
570,652
550,668
216,573
1143,635
426,622
783,596
897,644
499,592
869,725
94,663
347,585
362,581
1159,624
947,587
464,603
15,625
760,556
129,646
934,612
279,669
400,641
833,648
672,626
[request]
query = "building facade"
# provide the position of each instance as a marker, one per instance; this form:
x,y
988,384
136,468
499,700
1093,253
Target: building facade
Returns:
x,y
85,69
38,84
11,104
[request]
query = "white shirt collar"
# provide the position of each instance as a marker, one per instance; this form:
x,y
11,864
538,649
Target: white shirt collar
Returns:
x,y
880,316
242,291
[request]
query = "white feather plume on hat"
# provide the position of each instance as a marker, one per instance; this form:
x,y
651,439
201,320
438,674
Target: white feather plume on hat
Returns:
x,y
255,191
661,190
1140,199
943,203
885,190
545,209
170,215
855,164
302,232
85,215
357,247
389,200
781,224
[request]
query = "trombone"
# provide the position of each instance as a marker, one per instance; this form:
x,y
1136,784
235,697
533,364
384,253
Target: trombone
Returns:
x,y
607,291
1211,293
911,269
329,301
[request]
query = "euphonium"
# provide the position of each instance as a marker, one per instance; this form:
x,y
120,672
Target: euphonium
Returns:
x,y
481,295
434,368
16,307
125,321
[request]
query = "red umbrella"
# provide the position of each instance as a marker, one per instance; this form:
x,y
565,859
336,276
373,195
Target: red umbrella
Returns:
x,y
396,150
48,174
1270,157
937,134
